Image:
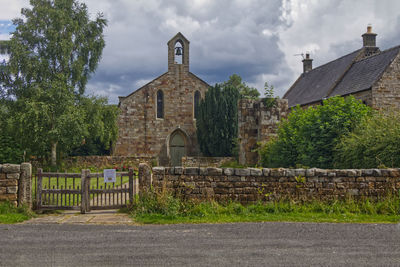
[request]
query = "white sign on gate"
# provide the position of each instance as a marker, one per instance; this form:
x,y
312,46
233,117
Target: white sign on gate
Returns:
x,y
110,175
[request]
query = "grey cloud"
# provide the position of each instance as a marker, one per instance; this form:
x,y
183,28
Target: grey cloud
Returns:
x,y
226,37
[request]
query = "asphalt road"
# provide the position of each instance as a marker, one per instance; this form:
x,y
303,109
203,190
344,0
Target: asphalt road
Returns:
x,y
241,244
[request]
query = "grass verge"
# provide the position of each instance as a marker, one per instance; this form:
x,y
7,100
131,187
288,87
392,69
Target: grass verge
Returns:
x,y
163,208
10,214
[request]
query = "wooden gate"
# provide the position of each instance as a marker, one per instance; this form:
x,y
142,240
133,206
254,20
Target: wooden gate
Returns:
x,y
84,191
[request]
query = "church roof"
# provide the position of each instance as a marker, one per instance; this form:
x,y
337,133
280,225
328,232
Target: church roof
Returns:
x,y
343,76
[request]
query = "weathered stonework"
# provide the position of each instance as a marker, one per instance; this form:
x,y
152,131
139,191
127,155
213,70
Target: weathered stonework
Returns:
x,y
205,161
249,185
386,91
257,123
141,133
102,162
15,183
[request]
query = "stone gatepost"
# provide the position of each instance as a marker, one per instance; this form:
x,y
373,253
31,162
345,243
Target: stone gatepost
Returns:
x,y
145,177
25,185
15,183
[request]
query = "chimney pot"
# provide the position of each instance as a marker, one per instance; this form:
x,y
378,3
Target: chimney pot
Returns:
x,y
307,63
369,38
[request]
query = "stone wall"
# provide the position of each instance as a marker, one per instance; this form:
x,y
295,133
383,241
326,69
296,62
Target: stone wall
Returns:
x,y
15,183
252,184
103,162
257,123
364,96
386,91
205,161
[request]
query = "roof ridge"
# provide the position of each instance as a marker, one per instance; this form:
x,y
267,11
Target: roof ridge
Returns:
x,y
379,53
140,88
358,50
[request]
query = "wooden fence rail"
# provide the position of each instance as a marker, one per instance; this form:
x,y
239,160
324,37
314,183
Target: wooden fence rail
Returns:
x,y
84,191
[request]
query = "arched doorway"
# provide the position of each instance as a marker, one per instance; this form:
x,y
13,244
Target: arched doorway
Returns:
x,y
177,148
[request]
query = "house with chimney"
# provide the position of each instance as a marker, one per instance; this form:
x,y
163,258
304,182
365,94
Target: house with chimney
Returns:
x,y
368,74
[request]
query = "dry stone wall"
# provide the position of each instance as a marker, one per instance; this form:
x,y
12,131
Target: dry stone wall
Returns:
x,y
15,183
252,184
102,162
205,161
257,123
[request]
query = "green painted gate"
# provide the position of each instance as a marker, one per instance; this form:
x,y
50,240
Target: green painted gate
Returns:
x,y
177,149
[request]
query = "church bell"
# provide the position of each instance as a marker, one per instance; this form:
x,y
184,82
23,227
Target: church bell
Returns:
x,y
178,51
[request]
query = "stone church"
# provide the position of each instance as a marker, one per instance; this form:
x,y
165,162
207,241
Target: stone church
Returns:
x,y
368,74
158,120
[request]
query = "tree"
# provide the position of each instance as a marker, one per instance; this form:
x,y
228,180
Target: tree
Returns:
x,y
101,119
217,121
374,143
309,136
53,51
10,149
245,91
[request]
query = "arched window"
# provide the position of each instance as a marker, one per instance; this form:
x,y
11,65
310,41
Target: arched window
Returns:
x,y
160,104
196,103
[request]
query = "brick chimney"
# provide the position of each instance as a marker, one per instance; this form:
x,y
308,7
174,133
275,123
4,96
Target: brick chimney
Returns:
x,y
307,63
369,42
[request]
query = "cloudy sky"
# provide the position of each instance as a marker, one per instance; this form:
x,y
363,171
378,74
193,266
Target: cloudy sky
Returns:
x,y
257,39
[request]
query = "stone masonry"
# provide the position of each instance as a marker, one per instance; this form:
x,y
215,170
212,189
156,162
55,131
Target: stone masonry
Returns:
x,y
252,184
257,123
205,161
386,91
15,183
103,162
141,133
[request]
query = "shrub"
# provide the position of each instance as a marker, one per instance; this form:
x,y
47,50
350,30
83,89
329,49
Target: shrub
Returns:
x,y
308,137
374,143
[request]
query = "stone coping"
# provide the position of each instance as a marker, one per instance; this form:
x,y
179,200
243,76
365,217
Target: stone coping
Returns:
x,y
10,168
277,172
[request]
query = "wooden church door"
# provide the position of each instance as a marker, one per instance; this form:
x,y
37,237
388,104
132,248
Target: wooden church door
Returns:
x,y
177,149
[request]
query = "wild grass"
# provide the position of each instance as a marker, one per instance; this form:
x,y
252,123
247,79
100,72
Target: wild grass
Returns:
x,y
11,214
163,208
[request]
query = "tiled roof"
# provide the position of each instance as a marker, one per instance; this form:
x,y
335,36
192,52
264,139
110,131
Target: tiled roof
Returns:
x,y
314,85
342,76
365,72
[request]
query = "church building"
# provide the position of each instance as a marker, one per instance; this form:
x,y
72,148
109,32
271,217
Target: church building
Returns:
x,y
158,120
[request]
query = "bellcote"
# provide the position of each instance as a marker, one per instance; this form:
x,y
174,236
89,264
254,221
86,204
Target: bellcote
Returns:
x,y
178,53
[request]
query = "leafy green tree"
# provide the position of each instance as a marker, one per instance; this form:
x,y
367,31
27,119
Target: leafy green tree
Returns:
x,y
101,119
53,51
245,91
309,136
4,47
217,124
10,149
374,143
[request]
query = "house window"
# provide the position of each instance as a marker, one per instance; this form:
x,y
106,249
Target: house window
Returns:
x,y
196,103
160,104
